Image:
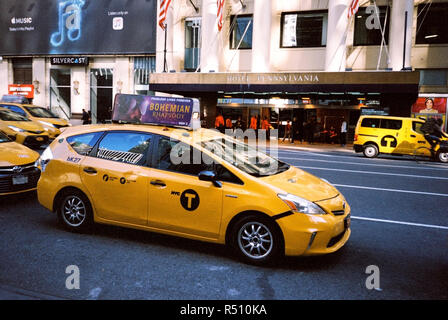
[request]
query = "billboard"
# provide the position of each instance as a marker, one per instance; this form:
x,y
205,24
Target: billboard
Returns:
x,y
170,111
64,27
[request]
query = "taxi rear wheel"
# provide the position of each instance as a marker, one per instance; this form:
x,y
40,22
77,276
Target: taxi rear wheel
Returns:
x,y
75,211
257,240
370,151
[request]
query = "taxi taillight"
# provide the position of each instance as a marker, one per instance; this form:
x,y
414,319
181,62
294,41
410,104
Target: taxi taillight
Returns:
x,y
356,137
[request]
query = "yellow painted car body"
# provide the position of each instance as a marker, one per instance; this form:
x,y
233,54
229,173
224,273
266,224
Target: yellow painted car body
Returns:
x,y
21,129
51,123
390,135
150,198
18,170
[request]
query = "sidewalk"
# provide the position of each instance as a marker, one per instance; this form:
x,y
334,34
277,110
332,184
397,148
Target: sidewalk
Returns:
x,y
315,147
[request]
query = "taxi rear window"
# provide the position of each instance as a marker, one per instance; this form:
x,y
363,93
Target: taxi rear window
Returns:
x,y
381,123
370,123
84,143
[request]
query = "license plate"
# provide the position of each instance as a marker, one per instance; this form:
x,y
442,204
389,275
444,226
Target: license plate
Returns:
x,y
19,180
40,139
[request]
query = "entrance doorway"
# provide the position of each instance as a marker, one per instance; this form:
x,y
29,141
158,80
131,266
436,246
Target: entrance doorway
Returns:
x,y
101,90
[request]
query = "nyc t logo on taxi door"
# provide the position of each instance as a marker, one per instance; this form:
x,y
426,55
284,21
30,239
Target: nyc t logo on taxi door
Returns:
x,y
189,199
69,22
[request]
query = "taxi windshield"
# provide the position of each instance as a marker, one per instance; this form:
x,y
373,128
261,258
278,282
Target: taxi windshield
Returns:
x,y
7,115
4,138
245,157
40,112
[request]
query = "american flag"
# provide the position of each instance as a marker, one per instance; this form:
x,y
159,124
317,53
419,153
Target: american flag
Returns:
x,y
219,15
353,8
164,4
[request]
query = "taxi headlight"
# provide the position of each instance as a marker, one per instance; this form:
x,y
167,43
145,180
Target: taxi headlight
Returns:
x,y
16,129
301,205
45,158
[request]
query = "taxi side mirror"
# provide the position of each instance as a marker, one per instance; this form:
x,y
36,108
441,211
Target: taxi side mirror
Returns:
x,y
209,176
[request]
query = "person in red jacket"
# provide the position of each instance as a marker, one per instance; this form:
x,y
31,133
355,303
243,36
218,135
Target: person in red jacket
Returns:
x,y
219,122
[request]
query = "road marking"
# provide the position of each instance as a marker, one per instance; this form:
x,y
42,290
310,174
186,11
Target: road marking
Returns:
x,y
365,164
401,222
392,190
378,173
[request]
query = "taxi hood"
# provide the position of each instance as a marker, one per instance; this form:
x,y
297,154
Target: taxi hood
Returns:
x,y
56,121
25,125
300,183
15,154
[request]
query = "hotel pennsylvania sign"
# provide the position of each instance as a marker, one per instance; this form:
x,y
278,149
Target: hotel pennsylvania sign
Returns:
x,y
273,78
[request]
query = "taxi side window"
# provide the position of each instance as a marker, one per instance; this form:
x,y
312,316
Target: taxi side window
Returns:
x,y
173,155
84,143
370,123
391,124
14,109
127,147
416,126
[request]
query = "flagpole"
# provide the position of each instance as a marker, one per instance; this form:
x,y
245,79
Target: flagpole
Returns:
x,y
164,52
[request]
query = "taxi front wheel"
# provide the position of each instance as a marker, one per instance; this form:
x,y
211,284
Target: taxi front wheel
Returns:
x,y
75,211
257,240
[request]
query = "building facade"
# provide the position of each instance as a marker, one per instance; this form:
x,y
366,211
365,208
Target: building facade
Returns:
x,y
279,59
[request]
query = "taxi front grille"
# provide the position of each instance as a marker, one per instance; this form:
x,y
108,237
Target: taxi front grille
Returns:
x,y
6,182
14,169
59,126
338,212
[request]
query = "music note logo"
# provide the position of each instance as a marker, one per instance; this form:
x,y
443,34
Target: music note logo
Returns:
x,y
69,18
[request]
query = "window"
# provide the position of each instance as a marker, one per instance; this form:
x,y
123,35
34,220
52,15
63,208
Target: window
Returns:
x,y
84,143
370,123
391,124
22,70
367,29
14,109
417,126
60,92
179,157
431,23
301,30
128,147
433,77
192,43
241,32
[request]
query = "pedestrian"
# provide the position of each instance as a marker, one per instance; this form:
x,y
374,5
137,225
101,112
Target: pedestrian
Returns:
x,y
219,122
295,130
85,117
265,125
287,131
89,117
239,124
343,132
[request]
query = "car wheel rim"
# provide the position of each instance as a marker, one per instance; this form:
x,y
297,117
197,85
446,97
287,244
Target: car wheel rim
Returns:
x,y
255,240
74,211
370,151
443,156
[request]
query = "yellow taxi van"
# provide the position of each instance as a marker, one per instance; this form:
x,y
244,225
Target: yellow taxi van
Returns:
x,y
22,130
376,135
134,175
19,170
50,122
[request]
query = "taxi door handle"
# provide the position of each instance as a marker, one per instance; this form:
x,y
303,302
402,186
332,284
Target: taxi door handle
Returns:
x,y
413,136
90,170
158,183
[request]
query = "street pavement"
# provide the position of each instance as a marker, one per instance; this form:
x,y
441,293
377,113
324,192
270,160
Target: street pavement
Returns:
x,y
399,225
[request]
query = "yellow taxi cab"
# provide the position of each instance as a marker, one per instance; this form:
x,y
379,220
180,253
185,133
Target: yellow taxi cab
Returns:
x,y
376,135
50,122
22,130
190,182
19,170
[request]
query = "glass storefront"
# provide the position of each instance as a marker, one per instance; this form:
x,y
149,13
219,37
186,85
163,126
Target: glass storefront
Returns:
x,y
60,92
101,91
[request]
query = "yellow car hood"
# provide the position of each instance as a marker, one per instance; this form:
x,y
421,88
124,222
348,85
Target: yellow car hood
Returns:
x,y
56,121
15,154
300,183
25,125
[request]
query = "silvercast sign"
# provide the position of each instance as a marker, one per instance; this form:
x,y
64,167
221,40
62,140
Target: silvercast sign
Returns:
x,y
82,61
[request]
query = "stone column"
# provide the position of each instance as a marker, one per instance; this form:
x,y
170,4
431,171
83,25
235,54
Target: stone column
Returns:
x,y
397,34
261,42
335,57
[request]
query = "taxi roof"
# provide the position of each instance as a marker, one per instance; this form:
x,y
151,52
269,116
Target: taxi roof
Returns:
x,y
182,134
390,117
